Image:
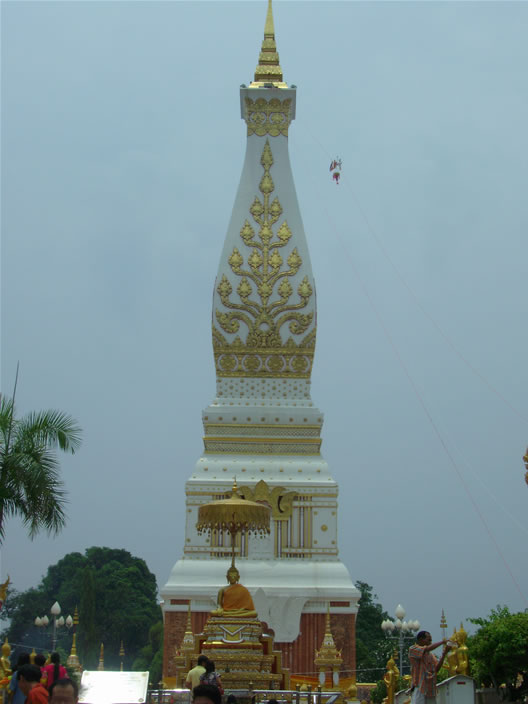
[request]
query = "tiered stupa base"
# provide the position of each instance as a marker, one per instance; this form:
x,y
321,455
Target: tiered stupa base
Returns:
x,y
242,653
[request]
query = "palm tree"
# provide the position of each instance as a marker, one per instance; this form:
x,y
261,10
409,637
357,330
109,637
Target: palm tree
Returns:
x,y
30,484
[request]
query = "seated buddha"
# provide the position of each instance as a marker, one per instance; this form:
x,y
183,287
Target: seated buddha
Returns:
x,y
234,601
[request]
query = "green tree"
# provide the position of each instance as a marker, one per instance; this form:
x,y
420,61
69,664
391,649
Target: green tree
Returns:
x,y
499,652
123,596
30,484
88,641
151,656
373,649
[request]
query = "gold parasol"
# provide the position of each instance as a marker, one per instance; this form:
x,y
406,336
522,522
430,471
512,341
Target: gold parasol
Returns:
x,y
234,515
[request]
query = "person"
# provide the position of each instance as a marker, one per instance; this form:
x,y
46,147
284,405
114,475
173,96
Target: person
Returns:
x,y
29,682
210,676
40,661
206,694
17,695
193,676
424,666
64,691
54,671
234,601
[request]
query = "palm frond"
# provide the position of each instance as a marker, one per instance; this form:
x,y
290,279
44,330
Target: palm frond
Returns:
x,y
51,428
30,483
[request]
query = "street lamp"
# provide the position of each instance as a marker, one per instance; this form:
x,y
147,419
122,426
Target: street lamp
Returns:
x,y
405,630
58,622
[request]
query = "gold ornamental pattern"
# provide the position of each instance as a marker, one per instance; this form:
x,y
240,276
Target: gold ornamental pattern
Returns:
x,y
266,303
268,117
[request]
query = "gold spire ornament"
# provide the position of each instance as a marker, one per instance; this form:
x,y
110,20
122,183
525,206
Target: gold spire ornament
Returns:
x,y
525,459
268,69
187,644
328,656
234,515
443,624
100,666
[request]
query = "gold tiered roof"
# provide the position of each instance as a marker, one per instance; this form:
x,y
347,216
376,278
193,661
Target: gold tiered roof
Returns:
x,y
269,69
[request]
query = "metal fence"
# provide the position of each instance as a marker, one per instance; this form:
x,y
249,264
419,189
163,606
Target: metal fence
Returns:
x,y
253,696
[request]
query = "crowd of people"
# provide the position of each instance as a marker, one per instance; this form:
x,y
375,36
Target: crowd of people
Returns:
x,y
39,683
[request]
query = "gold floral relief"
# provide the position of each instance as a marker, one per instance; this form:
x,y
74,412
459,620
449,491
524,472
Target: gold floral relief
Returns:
x,y
265,301
280,500
268,117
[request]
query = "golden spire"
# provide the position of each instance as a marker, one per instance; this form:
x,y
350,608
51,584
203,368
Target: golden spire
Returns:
x,y
328,653
100,666
268,69
187,643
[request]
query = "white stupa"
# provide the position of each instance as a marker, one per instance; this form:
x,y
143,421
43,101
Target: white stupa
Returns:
x,y
262,427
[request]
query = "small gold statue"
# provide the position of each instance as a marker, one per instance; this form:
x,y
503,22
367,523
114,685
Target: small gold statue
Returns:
x,y
391,680
5,663
234,601
462,652
452,660
3,590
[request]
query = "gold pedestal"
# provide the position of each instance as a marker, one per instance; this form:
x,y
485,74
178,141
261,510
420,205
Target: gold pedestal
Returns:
x,y
241,652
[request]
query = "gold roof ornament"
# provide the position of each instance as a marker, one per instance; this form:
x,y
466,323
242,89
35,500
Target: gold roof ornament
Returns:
x,y
100,666
73,658
443,624
525,459
234,515
187,643
268,69
328,654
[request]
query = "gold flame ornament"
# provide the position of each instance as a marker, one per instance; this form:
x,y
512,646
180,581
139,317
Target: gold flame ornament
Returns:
x,y
234,515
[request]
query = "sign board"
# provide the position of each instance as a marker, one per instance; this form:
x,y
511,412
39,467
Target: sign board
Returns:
x,y
113,687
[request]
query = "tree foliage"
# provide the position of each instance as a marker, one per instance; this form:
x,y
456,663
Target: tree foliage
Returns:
x,y
373,649
30,483
151,656
499,652
117,596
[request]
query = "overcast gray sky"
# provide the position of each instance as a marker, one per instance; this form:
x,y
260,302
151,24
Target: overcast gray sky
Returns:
x,y
122,147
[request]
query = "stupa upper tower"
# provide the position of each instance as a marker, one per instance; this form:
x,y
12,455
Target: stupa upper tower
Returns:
x,y
262,427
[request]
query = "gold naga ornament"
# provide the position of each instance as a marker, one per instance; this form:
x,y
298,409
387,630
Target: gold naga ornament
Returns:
x,y
234,515
263,272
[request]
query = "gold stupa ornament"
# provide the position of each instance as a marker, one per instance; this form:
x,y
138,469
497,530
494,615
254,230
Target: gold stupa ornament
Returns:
x,y
268,69
328,656
234,515
187,644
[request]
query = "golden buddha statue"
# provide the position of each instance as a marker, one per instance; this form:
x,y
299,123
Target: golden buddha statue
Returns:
x,y
5,663
234,601
452,658
391,680
3,590
462,652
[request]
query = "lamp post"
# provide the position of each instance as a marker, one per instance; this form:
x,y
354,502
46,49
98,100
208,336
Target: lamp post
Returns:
x,y
404,629
58,622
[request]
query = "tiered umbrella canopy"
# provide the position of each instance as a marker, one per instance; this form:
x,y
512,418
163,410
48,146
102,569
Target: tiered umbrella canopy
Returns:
x,y
234,515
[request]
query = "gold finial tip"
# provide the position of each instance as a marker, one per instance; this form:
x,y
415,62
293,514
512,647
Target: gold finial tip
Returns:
x,y
268,69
